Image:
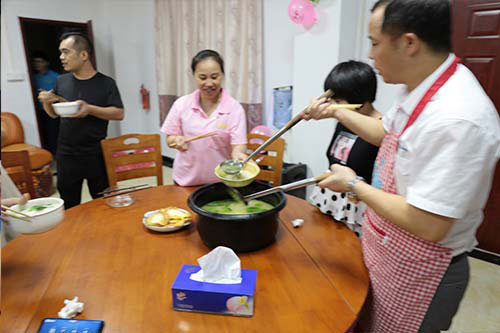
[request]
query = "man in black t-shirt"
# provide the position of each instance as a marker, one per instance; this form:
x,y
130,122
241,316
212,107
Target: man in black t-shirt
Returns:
x,y
79,154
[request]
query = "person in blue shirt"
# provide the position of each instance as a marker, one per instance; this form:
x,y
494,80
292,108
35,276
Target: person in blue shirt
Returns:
x,y
45,79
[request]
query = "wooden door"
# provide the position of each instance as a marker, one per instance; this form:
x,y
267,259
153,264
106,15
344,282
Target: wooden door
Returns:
x,y
476,39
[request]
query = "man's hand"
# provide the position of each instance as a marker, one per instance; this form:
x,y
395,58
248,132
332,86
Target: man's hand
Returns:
x,y
341,176
49,97
318,109
83,111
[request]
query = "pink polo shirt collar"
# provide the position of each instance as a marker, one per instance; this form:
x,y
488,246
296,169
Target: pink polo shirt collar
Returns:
x,y
221,109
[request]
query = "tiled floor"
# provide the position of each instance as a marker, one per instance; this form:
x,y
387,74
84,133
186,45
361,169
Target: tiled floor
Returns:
x,y
480,309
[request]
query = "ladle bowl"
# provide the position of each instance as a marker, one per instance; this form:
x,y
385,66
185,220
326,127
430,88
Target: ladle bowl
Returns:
x,y
231,167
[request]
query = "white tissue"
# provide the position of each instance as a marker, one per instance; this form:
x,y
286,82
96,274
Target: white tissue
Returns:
x,y
71,309
221,265
297,223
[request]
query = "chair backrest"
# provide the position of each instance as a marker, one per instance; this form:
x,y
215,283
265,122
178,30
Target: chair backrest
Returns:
x,y
12,128
270,160
133,156
18,167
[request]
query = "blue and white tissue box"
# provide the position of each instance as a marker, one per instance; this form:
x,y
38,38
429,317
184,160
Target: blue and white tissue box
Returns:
x,y
227,299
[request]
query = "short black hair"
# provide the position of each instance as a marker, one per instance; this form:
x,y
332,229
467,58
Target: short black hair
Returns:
x,y
205,54
353,81
430,20
40,54
81,41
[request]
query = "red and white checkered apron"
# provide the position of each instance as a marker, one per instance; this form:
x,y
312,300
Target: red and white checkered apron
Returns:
x,y
405,270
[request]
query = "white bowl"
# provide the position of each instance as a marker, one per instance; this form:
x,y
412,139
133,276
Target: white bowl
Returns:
x,y
66,108
40,222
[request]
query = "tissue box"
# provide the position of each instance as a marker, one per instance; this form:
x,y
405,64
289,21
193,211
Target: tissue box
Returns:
x,y
228,299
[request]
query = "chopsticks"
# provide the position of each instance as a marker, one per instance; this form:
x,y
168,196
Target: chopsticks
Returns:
x,y
7,211
344,106
15,211
122,189
206,135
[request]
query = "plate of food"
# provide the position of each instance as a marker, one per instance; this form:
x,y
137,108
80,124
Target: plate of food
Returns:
x,y
167,219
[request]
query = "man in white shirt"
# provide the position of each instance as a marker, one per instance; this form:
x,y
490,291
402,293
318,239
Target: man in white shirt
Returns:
x,y
439,146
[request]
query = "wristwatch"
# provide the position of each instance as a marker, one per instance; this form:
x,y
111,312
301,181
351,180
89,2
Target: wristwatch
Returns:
x,y
350,186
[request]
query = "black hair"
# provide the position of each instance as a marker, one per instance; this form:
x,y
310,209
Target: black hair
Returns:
x,y
378,4
353,81
205,54
428,19
40,54
81,41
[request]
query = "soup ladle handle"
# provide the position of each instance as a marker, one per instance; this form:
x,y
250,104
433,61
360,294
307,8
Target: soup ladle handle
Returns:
x,y
290,124
289,187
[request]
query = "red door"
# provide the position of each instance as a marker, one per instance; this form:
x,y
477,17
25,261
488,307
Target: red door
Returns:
x,y
476,39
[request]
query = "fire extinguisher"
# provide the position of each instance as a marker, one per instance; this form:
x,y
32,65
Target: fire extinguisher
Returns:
x,y
145,98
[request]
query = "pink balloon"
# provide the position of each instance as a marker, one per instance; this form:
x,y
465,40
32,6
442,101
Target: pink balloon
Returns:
x,y
309,16
262,130
296,10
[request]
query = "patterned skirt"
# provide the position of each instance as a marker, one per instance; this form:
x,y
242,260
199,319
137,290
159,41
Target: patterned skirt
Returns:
x,y
339,207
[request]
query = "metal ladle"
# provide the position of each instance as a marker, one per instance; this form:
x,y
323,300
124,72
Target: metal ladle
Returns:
x,y
233,167
238,197
288,187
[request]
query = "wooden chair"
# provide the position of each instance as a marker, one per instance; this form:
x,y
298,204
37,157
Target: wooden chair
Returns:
x,y
40,159
133,156
18,167
270,160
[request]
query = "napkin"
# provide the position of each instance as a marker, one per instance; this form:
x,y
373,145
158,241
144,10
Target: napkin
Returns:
x,y
221,265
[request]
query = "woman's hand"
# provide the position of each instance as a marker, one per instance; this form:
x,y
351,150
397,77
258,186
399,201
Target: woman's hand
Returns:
x,y
341,176
177,142
237,155
238,152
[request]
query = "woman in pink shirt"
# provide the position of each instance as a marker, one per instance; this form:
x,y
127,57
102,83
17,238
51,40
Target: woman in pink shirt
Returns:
x,y
207,109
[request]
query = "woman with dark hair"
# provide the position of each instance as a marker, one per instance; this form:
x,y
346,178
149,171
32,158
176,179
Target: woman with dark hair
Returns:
x,y
208,109
351,82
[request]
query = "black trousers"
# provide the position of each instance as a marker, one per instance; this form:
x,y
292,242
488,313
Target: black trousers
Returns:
x,y
449,293
72,170
49,131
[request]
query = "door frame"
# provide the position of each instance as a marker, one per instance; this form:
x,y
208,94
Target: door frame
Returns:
x,y
87,26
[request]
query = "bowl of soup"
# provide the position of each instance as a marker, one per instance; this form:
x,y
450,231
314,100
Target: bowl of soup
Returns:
x,y
45,214
247,175
221,221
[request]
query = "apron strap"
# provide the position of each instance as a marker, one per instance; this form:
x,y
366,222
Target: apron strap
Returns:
x,y
441,80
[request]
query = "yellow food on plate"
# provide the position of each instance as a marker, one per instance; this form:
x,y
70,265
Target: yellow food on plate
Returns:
x,y
157,219
169,217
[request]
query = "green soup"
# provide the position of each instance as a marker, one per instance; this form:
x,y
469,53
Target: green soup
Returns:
x,y
232,207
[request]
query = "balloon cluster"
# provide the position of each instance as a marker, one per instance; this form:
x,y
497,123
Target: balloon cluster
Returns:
x,y
302,12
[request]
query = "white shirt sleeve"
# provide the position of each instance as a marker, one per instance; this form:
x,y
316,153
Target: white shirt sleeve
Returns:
x,y
445,174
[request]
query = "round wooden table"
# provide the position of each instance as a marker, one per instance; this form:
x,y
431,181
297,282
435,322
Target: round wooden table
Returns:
x,y
312,279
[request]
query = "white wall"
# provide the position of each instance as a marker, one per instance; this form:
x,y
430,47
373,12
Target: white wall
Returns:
x,y
279,32
132,25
